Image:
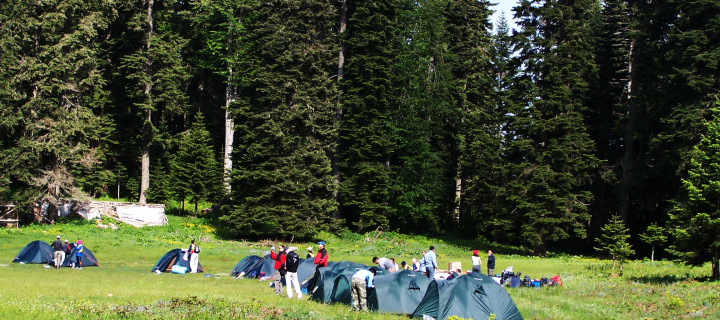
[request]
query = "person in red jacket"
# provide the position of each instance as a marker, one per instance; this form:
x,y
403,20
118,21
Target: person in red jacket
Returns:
x,y
279,267
321,257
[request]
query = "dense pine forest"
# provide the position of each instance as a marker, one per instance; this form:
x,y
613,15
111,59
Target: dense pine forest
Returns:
x,y
421,116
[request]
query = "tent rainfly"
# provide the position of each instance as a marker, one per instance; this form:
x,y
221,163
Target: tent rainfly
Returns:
x,y
172,258
35,252
473,295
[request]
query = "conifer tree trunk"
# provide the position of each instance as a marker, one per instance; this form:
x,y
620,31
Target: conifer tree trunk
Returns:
x,y
629,150
340,74
230,97
147,128
652,254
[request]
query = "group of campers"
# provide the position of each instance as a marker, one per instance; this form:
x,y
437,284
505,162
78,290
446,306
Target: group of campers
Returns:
x,y
61,250
286,262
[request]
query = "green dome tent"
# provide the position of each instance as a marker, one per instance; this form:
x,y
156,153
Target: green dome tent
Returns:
x,y
35,252
323,283
397,293
474,296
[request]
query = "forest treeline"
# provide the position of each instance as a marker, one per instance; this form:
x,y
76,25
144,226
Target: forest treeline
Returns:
x,y
322,115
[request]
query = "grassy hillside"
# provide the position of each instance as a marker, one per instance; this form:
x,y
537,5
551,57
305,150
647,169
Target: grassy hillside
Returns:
x,y
124,287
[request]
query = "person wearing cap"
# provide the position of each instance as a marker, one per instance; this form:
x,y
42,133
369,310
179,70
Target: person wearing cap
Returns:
x,y
279,267
58,252
309,253
476,261
292,261
361,281
79,253
321,258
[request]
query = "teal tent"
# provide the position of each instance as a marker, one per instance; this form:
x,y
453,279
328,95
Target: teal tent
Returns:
x,y
474,296
306,272
323,282
35,252
397,293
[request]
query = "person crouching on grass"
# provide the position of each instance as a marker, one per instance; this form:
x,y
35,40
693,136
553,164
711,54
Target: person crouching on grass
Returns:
x,y
361,281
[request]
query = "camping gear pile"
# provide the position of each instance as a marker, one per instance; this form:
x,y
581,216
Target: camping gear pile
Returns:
x,y
513,280
473,295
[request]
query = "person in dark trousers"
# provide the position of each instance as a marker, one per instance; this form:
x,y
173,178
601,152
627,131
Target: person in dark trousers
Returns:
x,y
490,263
279,267
58,252
361,281
68,250
292,261
321,257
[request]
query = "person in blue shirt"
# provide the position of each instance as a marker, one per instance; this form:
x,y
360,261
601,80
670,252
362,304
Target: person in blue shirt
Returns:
x,y
79,253
362,280
430,263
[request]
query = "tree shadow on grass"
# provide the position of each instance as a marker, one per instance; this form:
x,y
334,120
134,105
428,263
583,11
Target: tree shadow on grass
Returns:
x,y
484,245
667,279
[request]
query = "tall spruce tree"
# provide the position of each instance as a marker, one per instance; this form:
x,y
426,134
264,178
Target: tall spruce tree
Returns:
x,y
692,47
156,75
695,218
196,174
557,157
367,136
282,178
609,116
53,94
476,125
216,51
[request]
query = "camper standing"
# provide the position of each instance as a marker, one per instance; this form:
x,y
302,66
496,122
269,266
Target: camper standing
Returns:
x,y
193,251
79,253
68,250
430,263
490,263
292,261
361,280
279,266
321,257
58,252
476,261
309,253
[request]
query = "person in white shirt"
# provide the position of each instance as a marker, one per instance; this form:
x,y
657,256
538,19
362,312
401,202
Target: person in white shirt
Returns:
x,y
476,261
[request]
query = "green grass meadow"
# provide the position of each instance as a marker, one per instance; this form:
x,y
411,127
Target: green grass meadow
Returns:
x,y
124,288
